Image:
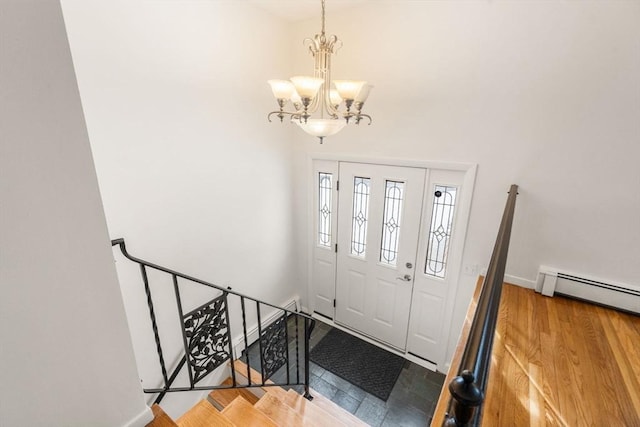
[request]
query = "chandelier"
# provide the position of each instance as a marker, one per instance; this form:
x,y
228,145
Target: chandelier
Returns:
x,y
322,106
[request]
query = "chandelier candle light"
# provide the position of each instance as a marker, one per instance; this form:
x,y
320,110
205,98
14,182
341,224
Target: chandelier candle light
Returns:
x,y
335,103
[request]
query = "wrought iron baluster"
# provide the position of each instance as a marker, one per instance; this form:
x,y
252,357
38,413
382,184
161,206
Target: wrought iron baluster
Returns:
x,y
176,289
260,342
172,378
286,344
154,325
307,334
246,340
297,351
226,313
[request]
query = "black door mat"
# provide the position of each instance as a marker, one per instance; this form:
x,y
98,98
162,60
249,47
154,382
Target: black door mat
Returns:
x,y
369,367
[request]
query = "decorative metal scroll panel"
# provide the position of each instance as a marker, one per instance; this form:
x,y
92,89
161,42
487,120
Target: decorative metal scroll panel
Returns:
x,y
440,231
324,208
393,197
207,335
360,216
274,347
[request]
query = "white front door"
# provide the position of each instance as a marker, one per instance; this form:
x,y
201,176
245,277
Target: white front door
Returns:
x,y
378,231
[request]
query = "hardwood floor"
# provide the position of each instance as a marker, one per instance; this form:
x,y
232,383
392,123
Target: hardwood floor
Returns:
x,y
561,362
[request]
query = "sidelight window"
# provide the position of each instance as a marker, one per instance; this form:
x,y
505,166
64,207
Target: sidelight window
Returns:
x,y
325,181
440,232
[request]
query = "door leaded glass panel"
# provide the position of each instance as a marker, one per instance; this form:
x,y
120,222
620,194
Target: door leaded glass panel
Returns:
x,y
394,192
360,216
440,231
324,209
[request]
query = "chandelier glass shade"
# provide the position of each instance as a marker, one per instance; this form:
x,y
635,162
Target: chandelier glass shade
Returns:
x,y
321,106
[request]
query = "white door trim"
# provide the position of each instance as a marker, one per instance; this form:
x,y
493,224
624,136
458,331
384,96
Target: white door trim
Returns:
x,y
470,171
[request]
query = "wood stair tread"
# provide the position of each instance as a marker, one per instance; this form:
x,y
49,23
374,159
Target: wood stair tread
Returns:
x,y
312,414
345,417
241,371
319,401
204,414
160,418
276,407
224,397
243,414
280,412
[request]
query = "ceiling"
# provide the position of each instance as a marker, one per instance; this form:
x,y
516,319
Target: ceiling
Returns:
x,y
296,10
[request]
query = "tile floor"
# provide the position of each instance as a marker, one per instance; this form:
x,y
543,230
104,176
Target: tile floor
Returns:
x,y
410,404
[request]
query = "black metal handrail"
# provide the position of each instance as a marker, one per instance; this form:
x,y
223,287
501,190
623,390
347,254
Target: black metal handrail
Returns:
x,y
208,344
468,388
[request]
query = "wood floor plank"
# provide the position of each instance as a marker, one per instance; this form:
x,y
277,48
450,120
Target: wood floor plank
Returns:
x,y
624,358
536,398
523,355
561,362
550,367
583,371
494,406
623,328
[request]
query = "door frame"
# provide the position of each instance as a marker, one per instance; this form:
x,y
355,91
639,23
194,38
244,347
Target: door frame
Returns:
x,y
463,210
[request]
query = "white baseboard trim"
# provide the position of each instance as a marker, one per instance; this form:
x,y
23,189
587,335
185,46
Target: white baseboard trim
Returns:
x,y
520,281
252,331
142,419
514,280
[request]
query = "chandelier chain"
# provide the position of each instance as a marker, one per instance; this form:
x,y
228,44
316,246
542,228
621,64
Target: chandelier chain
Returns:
x,y
323,17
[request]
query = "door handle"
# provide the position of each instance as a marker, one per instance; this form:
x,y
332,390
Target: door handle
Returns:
x,y
405,278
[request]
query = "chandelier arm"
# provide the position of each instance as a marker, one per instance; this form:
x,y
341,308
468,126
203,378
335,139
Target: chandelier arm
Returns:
x,y
359,116
281,115
312,44
334,44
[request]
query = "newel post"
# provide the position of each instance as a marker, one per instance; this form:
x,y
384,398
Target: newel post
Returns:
x,y
466,398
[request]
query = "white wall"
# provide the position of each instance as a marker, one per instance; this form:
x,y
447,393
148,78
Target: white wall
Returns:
x,y
192,175
542,94
66,357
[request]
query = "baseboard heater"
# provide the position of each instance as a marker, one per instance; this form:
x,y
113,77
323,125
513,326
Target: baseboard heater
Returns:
x,y
623,297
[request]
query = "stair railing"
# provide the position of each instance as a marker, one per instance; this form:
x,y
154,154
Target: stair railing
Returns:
x,y
207,338
468,388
